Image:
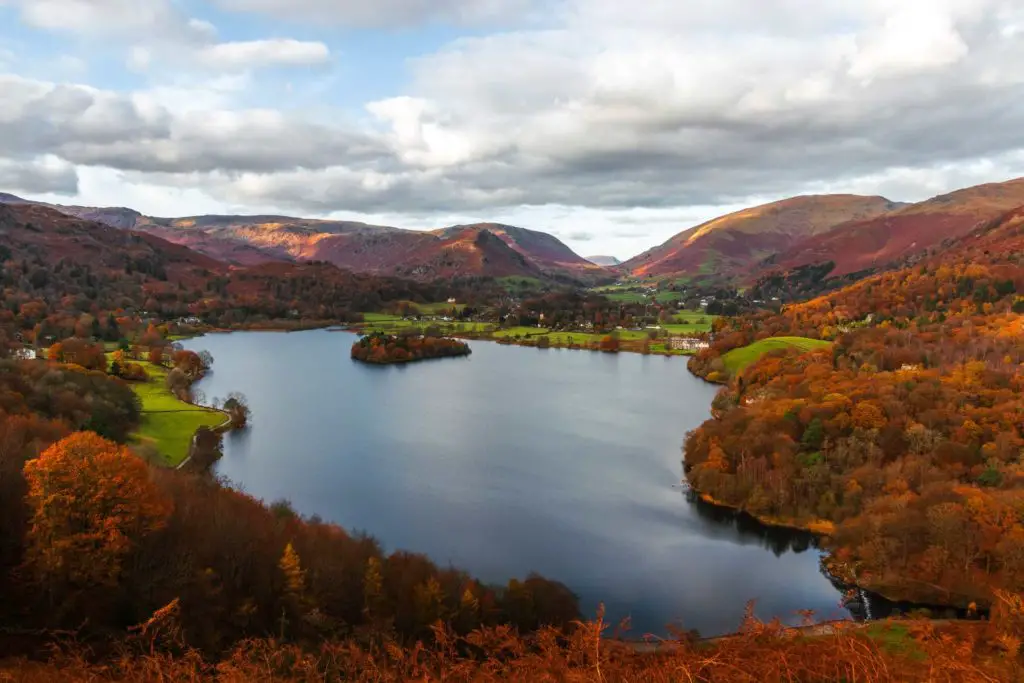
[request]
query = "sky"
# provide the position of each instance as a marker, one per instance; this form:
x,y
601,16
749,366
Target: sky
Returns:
x,y
611,124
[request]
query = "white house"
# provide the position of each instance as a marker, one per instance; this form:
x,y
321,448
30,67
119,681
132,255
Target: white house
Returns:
x,y
687,344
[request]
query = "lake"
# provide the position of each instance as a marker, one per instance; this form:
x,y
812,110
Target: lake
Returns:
x,y
513,460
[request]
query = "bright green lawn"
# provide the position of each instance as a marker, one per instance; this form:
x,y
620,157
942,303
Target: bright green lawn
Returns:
x,y
739,359
521,331
379,317
626,297
396,325
691,316
168,424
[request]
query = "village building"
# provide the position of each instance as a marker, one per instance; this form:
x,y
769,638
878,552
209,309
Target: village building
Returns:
x,y
688,344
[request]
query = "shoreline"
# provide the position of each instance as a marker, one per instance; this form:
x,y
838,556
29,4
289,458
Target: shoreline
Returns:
x,y
839,576
357,328
819,528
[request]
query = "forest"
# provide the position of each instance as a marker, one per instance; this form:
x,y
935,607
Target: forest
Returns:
x,y
902,442
384,349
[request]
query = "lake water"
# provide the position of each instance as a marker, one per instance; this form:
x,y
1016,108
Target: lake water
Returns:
x,y
509,461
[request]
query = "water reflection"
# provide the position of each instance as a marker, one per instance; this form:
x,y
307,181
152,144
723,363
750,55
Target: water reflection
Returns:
x,y
747,529
509,461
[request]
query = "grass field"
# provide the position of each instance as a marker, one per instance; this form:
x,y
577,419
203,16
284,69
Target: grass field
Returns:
x,y
167,423
380,317
516,284
520,332
395,325
739,359
435,308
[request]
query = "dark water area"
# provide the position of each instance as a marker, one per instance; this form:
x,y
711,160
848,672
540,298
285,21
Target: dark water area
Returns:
x,y
509,461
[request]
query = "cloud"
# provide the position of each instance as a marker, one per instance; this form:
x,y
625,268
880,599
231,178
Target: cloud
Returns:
x,y
260,53
625,121
910,41
386,12
112,18
38,176
139,133
162,30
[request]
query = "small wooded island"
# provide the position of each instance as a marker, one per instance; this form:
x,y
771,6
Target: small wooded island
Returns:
x,y
384,349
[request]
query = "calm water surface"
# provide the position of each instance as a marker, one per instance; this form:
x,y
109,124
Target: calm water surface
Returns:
x,y
509,461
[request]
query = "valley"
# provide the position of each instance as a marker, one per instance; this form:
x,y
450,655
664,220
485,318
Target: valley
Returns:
x,y
872,418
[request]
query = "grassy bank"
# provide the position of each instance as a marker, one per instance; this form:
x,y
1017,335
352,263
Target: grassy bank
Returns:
x,y
168,423
738,360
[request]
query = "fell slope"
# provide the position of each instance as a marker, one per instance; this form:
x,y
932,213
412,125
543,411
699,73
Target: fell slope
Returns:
x,y
37,232
463,250
729,246
873,243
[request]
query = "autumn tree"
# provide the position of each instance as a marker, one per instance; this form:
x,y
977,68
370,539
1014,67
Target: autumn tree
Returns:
x,y
156,355
237,408
91,501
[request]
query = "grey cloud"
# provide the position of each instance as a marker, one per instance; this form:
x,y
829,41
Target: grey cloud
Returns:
x,y
648,114
90,127
580,236
385,12
38,118
38,177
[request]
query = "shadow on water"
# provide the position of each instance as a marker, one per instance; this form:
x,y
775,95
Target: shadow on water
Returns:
x,y
862,605
779,540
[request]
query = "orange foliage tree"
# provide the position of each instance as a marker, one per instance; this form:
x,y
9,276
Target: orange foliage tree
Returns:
x,y
91,500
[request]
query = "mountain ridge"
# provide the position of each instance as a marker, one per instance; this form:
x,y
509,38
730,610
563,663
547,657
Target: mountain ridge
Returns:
x,y
451,251
728,246
864,245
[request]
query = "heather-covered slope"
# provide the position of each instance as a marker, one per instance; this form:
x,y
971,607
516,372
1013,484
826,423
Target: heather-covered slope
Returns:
x,y
874,243
729,246
359,247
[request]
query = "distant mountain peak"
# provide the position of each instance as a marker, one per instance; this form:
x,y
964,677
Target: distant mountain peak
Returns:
x,y
603,260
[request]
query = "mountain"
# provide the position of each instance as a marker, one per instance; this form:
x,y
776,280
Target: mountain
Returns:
x,y
37,233
861,245
604,260
381,250
730,246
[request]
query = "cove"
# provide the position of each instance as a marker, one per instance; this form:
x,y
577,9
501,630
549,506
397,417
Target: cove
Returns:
x,y
513,460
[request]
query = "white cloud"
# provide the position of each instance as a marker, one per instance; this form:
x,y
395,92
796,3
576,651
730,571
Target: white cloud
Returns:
x,y
605,123
260,53
110,18
910,41
162,31
139,59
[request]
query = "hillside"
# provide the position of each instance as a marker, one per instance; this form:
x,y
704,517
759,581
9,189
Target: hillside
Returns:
x,y
729,246
110,269
902,437
33,232
359,247
861,245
